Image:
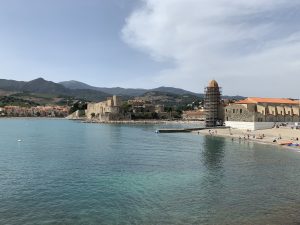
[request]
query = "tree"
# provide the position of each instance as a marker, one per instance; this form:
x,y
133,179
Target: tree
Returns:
x,y
79,105
126,107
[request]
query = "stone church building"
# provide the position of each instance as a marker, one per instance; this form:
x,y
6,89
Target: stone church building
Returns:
x,y
261,113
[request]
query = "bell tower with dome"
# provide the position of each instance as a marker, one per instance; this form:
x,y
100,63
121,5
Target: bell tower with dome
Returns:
x,y
212,104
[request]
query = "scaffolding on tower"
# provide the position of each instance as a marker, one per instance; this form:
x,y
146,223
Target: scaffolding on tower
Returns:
x,y
212,102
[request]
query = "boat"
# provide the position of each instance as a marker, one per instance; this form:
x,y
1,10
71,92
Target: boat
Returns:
x,y
285,143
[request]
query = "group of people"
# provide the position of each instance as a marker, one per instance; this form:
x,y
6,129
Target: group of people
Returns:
x,y
248,136
212,132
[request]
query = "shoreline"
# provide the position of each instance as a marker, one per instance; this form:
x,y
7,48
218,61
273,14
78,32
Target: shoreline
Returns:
x,y
266,136
41,118
141,122
83,120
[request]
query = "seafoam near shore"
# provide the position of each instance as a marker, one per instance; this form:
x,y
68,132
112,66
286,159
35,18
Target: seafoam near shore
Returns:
x,y
267,136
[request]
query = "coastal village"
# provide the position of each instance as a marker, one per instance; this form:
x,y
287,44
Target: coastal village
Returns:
x,y
266,120
252,113
247,114
114,109
36,111
260,119
150,112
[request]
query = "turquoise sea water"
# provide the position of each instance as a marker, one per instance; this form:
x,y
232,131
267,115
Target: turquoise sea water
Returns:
x,y
65,172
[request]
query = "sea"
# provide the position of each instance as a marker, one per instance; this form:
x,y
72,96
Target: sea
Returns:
x,y
67,172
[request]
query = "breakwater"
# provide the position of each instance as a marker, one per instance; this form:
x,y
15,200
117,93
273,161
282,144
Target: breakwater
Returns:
x,y
186,130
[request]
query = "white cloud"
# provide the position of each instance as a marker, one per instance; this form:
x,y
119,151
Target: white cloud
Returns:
x,y
251,47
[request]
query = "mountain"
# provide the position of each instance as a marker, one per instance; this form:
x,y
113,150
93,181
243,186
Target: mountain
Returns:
x,y
126,91
236,97
11,85
73,84
76,85
176,91
169,99
38,85
42,87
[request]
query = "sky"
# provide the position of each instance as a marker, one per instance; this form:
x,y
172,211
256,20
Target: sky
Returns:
x,y
252,48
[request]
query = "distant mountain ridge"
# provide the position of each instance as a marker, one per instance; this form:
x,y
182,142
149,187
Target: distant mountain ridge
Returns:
x,y
75,85
11,85
42,86
87,92
126,91
38,85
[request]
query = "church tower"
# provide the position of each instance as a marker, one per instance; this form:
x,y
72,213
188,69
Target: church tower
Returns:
x,y
212,104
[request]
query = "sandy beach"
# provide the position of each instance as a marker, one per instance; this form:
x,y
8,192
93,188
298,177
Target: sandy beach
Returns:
x,y
274,136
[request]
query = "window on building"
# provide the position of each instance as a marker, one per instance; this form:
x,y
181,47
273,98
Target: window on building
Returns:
x,y
273,113
226,110
241,111
233,110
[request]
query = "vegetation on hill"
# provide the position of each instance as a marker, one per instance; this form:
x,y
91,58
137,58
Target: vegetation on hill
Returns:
x,y
78,105
13,101
76,85
169,99
11,85
40,88
133,92
43,92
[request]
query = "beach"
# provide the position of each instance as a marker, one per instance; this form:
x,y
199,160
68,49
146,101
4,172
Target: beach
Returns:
x,y
275,136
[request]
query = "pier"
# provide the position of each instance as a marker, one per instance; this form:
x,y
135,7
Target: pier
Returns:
x,y
186,130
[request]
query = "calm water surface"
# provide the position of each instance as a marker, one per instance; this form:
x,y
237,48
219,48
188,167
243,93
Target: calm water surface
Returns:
x,y
66,172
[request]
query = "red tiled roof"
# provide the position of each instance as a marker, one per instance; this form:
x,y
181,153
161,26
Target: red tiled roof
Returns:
x,y
253,100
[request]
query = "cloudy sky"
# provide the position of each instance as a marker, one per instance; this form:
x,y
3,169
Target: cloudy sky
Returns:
x,y
251,48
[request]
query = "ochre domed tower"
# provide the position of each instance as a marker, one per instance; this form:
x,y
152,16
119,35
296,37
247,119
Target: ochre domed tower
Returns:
x,y
212,104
